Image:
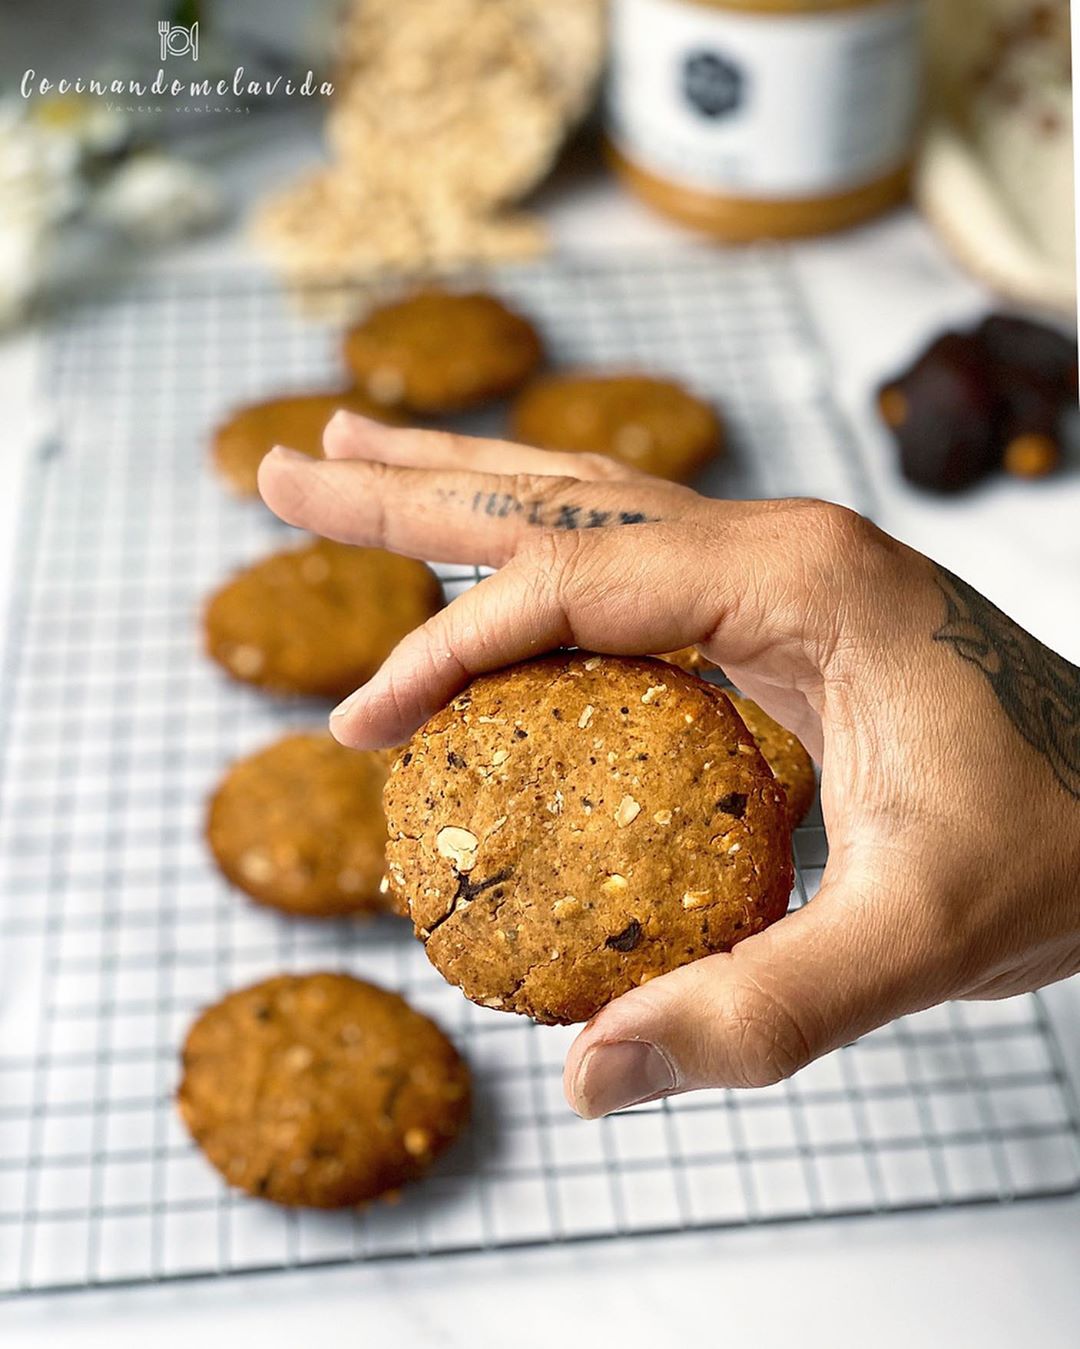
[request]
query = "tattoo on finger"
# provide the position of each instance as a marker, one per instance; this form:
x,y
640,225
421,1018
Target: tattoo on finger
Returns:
x,y
545,514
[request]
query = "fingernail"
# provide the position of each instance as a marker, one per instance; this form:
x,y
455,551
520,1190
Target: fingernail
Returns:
x,y
343,708
614,1076
283,452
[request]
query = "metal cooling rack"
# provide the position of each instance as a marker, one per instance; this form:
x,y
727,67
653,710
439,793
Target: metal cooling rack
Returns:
x,y
116,928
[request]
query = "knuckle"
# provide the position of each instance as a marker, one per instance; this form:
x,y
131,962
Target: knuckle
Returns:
x,y
839,531
605,469
538,487
844,538
552,566
768,1043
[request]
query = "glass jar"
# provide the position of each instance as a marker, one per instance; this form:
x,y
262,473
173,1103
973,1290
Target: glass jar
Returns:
x,y
754,119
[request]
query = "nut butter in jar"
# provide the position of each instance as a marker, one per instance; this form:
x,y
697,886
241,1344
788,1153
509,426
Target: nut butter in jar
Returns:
x,y
752,119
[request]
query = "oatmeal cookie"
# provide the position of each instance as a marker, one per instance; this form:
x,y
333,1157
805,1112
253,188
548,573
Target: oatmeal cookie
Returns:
x,y
688,658
320,1090
437,352
297,420
784,753
317,620
651,424
573,826
299,827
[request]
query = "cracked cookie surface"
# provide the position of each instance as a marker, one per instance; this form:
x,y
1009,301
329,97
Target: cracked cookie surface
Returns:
x,y
320,1090
317,620
299,826
570,827
298,420
651,424
438,352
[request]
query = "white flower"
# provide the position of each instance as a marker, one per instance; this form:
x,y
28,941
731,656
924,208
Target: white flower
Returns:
x,y
86,126
23,249
39,175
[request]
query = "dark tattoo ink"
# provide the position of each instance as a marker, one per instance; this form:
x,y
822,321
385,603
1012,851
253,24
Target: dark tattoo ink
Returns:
x,y
1039,691
499,505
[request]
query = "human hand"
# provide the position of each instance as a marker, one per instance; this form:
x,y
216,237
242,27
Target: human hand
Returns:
x,y
949,739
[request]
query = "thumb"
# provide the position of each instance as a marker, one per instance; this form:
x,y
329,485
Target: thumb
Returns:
x,y
819,978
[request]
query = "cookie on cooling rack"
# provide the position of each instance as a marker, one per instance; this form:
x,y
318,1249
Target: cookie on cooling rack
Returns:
x,y
297,420
688,658
437,352
317,620
320,1090
299,827
573,826
784,753
651,424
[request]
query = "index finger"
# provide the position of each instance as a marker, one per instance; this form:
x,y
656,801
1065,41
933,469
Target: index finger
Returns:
x,y
590,589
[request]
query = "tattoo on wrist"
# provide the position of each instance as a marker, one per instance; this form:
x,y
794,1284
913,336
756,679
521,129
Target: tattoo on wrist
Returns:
x,y
1038,690
545,514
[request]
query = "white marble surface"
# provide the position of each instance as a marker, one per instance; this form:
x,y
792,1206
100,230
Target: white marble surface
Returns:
x,y
992,1277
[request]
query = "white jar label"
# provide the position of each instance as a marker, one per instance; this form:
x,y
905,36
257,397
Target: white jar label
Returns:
x,y
768,106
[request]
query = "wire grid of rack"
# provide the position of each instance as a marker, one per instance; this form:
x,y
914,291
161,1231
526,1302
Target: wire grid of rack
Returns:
x,y
116,928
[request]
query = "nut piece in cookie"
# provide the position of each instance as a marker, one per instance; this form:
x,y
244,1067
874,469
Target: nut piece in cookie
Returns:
x,y
298,421
317,620
651,424
573,826
784,753
299,826
320,1090
438,352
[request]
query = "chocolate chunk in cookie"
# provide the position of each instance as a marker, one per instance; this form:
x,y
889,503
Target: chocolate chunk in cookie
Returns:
x,y
242,441
573,826
317,620
438,352
320,1090
299,827
651,424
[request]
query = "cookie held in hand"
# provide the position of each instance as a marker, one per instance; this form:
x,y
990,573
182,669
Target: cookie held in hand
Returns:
x,y
320,1090
573,826
785,754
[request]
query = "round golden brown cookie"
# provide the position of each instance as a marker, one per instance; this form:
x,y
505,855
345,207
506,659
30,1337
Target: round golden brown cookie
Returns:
x,y
784,753
320,1090
573,826
317,620
651,424
298,421
299,826
438,352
